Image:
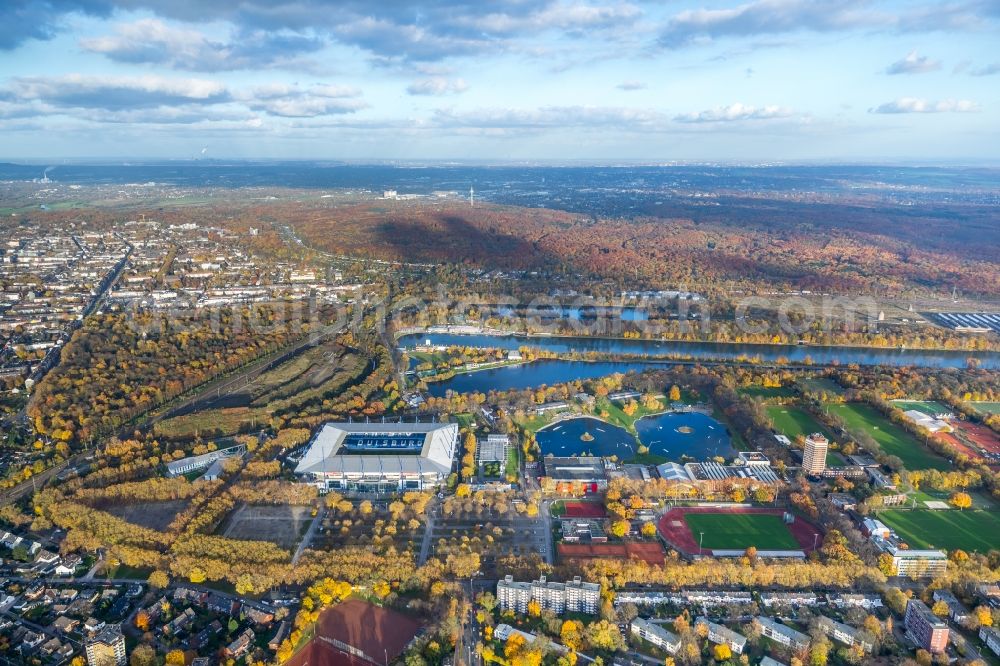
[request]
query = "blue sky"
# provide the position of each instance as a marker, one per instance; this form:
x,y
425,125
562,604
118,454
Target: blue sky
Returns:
x,y
760,80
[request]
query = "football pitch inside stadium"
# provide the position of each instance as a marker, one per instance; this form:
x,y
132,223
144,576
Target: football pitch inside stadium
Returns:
x,y
737,531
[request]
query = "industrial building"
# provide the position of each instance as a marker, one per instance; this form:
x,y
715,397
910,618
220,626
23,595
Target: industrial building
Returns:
x,y
586,472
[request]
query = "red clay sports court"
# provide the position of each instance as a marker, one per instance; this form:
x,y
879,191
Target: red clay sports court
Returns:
x,y
584,510
647,551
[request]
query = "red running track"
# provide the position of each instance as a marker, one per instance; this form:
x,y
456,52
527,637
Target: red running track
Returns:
x,y
675,529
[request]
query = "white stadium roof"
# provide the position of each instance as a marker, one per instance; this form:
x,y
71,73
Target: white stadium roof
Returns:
x,y
324,456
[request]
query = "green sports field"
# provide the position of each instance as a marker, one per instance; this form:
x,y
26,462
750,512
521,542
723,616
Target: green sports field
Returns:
x,y
768,392
794,421
737,531
987,407
926,406
893,439
948,529
821,385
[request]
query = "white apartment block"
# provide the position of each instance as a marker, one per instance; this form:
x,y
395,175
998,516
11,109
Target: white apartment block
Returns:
x,y
783,634
991,636
656,634
513,595
842,633
574,596
721,635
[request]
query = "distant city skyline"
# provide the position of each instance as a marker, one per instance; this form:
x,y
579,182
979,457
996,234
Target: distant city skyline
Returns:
x,y
489,81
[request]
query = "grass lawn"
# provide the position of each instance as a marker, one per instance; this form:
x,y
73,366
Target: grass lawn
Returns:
x,y
739,443
211,423
512,460
821,385
122,571
532,423
427,357
925,406
987,407
834,459
893,439
221,586
979,500
613,413
736,531
465,420
794,421
768,392
947,529
647,459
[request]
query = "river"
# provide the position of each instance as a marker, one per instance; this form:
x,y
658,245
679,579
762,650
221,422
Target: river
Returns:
x,y
820,355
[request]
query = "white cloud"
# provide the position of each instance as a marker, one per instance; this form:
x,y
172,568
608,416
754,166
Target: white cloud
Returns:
x,y
295,101
631,85
913,64
117,92
153,41
277,90
917,105
437,86
772,17
734,112
561,16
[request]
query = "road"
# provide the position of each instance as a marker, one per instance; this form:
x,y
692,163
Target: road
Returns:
x,y
546,518
425,545
39,480
310,533
54,355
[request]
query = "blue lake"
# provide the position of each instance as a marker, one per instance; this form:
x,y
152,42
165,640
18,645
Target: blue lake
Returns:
x,y
569,438
714,350
673,436
691,434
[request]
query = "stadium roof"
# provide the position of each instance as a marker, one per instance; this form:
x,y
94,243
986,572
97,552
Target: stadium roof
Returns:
x,y
328,454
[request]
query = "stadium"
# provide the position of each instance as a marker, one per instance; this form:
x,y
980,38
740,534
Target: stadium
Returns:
x,y
728,531
379,457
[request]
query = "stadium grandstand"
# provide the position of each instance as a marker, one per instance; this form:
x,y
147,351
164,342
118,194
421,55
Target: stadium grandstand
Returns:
x,y
194,463
379,457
